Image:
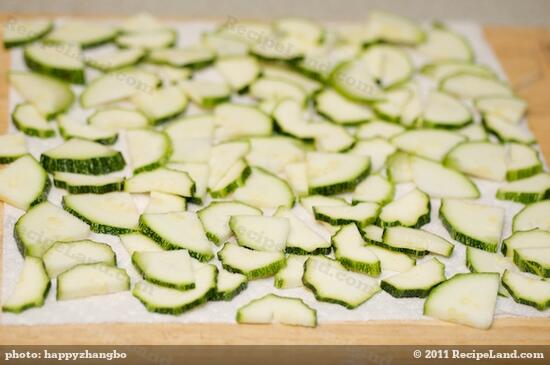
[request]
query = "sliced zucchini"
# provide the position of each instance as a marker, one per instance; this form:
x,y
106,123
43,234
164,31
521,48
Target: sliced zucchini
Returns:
x,y
266,88
229,285
473,86
164,300
352,80
527,290
331,282
254,190
374,189
191,138
333,173
445,111
190,150
417,242
161,105
177,230
484,160
194,57
238,71
82,157
259,232
376,149
433,144
296,176
224,45
391,260
361,214
12,147
88,280
50,95
507,132
535,238
253,264
416,282
439,181
116,86
351,252
290,120
532,216
398,168
387,64
236,120
168,74
276,48
85,34
157,153
198,172
378,128
330,137
162,180
62,256
442,44
321,61
45,224
394,104
206,94
290,276
135,242
24,183
235,177
509,108
281,72
528,190
411,210
27,118
273,308
116,60
474,132
223,157
148,40
304,29
301,239
165,203
483,261
341,110
31,289
116,119
442,69
82,184
112,213
33,30
172,269
308,202
63,61
393,28
467,299
68,128
533,260
274,153
522,162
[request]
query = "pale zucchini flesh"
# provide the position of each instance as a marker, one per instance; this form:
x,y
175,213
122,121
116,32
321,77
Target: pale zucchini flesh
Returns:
x,y
273,308
83,184
253,264
260,181
12,147
87,280
62,256
527,290
24,183
351,252
416,282
31,289
290,276
411,210
260,233
302,240
162,180
533,216
529,190
172,269
229,285
415,242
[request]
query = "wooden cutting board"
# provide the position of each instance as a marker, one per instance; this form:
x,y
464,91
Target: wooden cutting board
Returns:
x,y
525,55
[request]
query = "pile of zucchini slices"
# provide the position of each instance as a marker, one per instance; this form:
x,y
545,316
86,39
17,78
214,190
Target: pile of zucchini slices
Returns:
x,y
309,155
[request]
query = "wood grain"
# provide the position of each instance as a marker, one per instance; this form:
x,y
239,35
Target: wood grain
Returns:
x,y
525,55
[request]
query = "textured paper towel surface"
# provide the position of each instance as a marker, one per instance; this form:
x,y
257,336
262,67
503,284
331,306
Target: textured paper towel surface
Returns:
x,y
123,307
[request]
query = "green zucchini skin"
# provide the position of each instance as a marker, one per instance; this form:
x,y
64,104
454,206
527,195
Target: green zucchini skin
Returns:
x,y
421,221
91,189
229,295
38,303
36,37
300,251
362,267
513,175
91,166
158,282
342,221
44,194
532,267
32,132
90,44
520,300
464,239
233,185
179,310
524,198
405,293
340,187
408,251
260,273
4,160
160,162
96,227
71,76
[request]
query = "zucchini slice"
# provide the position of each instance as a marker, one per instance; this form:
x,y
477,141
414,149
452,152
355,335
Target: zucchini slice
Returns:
x,y
85,34
416,282
340,110
535,238
484,160
31,289
522,162
273,308
193,57
253,264
467,299
162,104
44,224
374,189
391,260
473,224
290,276
483,261
296,176
162,180
509,108
63,61
393,105
442,44
51,96
393,28
198,172
445,111
82,184
236,176
433,144
442,69
333,173
533,260
172,269
259,232
439,181
528,190
24,183
238,120
378,128
304,29
260,181
116,60
351,252
238,71
527,290
164,300
352,80
224,45
116,86
68,128
33,31
223,157
331,282
472,86
165,203
12,147
376,149
147,40
301,239
361,214
507,132
275,71
112,213
266,88
229,285
215,218
290,119
417,242
116,119
330,137
274,153
191,138
88,280
169,75
157,154
411,210
62,256
27,118
136,242
387,64
206,94
398,168
308,202
532,216
82,157
474,133
177,230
